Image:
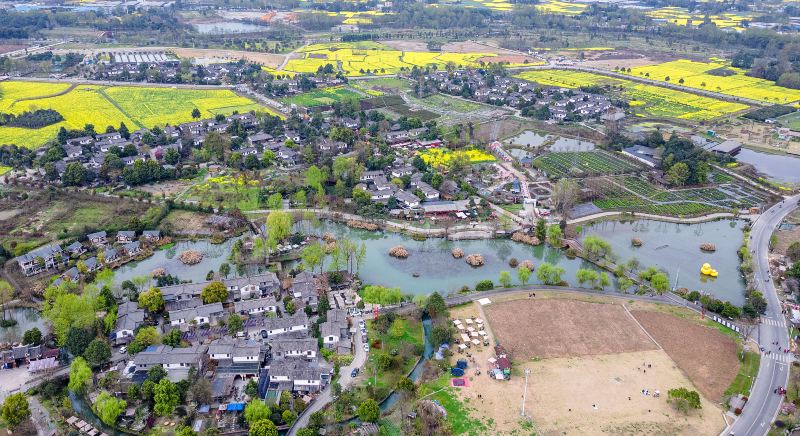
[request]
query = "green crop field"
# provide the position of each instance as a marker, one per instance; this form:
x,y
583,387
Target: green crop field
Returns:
x,y
636,194
583,163
791,121
103,106
321,97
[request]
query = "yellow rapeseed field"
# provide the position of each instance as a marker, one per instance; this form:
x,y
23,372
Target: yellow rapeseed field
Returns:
x,y
367,57
695,75
441,157
655,100
109,106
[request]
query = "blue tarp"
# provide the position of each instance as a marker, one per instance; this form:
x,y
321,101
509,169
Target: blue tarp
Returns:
x,y
204,408
235,407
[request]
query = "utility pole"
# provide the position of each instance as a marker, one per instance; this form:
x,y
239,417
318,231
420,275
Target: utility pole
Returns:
x,y
525,392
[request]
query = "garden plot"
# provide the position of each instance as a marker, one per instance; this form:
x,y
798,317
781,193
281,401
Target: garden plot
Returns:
x,y
638,195
583,164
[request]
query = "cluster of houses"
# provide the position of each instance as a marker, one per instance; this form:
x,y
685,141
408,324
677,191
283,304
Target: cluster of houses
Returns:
x,y
380,189
275,347
518,93
55,257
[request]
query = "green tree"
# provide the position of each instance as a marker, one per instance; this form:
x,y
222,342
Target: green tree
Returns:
x,y
80,375
173,338
313,255
32,337
166,397
235,324
68,311
604,280
74,174
300,198
275,201
398,329
214,292
549,274
264,427
587,275
523,274
381,295
554,235
435,305
683,399
279,225
505,278
195,113
225,269
368,411
255,411
152,300
77,341
793,252
540,230
596,247
15,409
484,285
660,282
98,352
288,417
678,174
109,408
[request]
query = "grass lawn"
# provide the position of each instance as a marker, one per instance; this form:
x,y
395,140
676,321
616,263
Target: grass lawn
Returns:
x,y
412,334
747,371
513,208
228,191
321,97
791,121
445,102
458,413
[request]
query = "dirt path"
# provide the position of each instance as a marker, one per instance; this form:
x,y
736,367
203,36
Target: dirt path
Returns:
x,y
41,97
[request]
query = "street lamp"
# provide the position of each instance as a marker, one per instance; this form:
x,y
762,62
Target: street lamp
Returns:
x,y
525,392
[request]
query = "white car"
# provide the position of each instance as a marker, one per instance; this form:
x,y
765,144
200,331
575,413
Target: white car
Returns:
x,y
366,348
123,350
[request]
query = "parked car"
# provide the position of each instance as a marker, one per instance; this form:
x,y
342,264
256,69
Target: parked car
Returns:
x,y
123,350
366,348
354,373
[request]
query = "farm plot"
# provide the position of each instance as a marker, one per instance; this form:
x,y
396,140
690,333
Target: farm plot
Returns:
x,y
372,58
564,328
653,100
110,106
696,75
321,97
583,163
681,17
441,157
711,376
638,195
791,121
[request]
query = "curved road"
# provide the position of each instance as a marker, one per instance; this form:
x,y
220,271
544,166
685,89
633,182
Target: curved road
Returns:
x,y
763,404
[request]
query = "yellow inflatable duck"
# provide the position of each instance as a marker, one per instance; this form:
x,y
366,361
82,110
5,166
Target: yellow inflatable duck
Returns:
x,y
708,271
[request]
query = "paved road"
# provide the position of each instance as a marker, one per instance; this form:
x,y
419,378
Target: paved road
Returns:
x,y
41,418
345,380
763,405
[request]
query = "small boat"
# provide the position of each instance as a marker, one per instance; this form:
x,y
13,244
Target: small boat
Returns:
x,y
416,274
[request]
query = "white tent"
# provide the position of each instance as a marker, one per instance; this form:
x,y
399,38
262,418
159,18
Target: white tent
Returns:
x,y
462,347
471,329
464,337
484,301
456,322
479,321
476,342
469,321
492,360
461,327
482,333
474,334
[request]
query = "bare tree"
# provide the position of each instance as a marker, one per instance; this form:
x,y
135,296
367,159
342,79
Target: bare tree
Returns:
x,y
565,195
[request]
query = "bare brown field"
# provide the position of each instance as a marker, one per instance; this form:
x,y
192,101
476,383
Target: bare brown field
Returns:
x,y
564,328
710,362
404,45
266,59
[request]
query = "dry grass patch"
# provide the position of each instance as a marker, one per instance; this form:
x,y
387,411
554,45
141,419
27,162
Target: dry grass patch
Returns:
x,y
564,328
707,356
